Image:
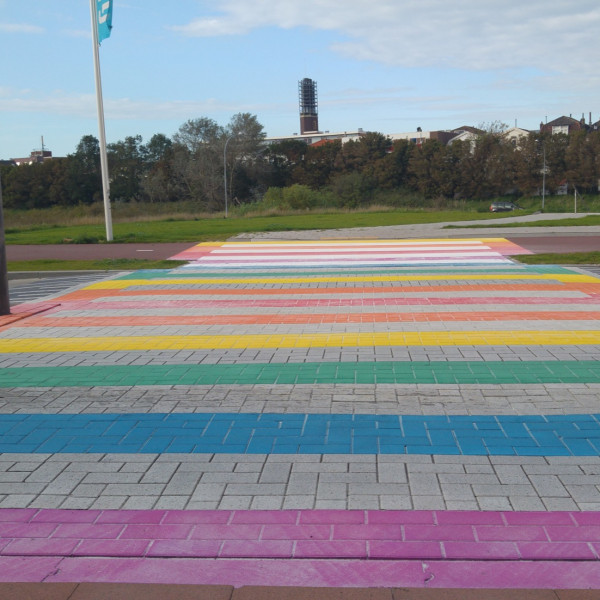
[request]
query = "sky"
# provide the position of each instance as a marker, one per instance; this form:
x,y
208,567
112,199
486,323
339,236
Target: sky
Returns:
x,y
381,65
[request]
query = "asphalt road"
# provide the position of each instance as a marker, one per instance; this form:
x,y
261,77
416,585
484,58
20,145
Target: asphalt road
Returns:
x,y
94,251
535,243
30,290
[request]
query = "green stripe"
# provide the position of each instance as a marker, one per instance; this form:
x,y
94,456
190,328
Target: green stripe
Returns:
x,y
452,372
212,273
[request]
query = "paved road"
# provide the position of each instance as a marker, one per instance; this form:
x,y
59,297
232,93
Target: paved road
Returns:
x,y
337,413
93,251
30,290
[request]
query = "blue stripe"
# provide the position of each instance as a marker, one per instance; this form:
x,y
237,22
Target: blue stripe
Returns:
x,y
569,435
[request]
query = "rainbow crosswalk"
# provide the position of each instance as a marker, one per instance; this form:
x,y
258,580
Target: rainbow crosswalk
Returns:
x,y
374,413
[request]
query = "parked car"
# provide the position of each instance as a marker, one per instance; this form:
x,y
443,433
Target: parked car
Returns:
x,y
503,206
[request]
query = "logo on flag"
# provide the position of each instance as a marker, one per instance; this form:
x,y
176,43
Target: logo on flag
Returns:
x,y
104,12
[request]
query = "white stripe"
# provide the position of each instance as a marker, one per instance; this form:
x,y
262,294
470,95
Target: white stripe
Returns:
x,y
361,256
359,249
483,261
357,243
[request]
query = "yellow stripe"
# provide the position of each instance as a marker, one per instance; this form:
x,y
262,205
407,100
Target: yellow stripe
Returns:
x,y
120,284
307,340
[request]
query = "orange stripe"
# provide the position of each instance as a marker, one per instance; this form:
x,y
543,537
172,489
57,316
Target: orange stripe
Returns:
x,y
50,321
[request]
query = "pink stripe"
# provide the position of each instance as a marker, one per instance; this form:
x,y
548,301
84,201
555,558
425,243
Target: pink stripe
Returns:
x,y
307,573
369,253
330,534
319,302
349,259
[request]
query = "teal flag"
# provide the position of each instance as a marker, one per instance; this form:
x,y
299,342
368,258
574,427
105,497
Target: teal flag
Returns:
x,y
104,12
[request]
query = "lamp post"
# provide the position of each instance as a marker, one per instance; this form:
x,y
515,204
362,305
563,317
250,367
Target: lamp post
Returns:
x,y
4,297
544,181
225,170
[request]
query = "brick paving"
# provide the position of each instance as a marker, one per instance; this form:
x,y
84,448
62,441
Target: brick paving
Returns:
x,y
352,416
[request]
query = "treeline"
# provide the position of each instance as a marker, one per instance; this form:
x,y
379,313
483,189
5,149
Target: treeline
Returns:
x,y
190,166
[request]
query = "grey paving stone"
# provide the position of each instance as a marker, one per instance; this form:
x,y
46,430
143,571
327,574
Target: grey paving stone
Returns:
x,y
302,484
108,502
494,503
429,502
396,502
275,472
267,502
17,500
299,502
422,484
526,503
166,502
331,491
88,490
235,503
140,503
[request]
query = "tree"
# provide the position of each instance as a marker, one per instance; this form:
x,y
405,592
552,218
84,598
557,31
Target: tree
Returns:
x,y
319,165
157,181
529,164
158,148
391,171
362,154
283,158
486,170
126,160
582,160
243,151
197,162
426,168
84,181
196,134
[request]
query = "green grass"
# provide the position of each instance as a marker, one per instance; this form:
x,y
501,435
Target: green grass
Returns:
x,y
591,220
109,264
212,229
571,258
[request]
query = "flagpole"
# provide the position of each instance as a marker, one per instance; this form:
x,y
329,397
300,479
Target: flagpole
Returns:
x,y
4,295
101,129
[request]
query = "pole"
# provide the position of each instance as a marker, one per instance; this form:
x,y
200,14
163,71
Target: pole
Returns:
x,y
4,297
544,181
225,170
101,129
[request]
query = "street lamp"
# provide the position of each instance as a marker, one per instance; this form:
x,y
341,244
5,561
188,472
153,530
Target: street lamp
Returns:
x,y
4,297
225,169
544,170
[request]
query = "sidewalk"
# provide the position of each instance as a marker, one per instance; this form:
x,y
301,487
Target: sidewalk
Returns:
x,y
414,416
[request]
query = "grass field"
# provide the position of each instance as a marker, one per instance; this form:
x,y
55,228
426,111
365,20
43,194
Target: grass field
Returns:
x,y
572,258
213,229
114,264
589,221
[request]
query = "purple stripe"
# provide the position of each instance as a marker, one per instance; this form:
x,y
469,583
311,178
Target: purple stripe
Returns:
x,y
307,573
326,534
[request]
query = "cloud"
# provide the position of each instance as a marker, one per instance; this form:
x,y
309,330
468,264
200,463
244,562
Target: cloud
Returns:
x,y
20,28
84,106
77,33
550,35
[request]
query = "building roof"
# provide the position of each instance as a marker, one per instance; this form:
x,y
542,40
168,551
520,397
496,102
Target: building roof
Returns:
x,y
562,121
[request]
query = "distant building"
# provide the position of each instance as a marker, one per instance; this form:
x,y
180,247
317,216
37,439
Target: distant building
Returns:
x,y
309,108
514,135
566,125
37,156
318,137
